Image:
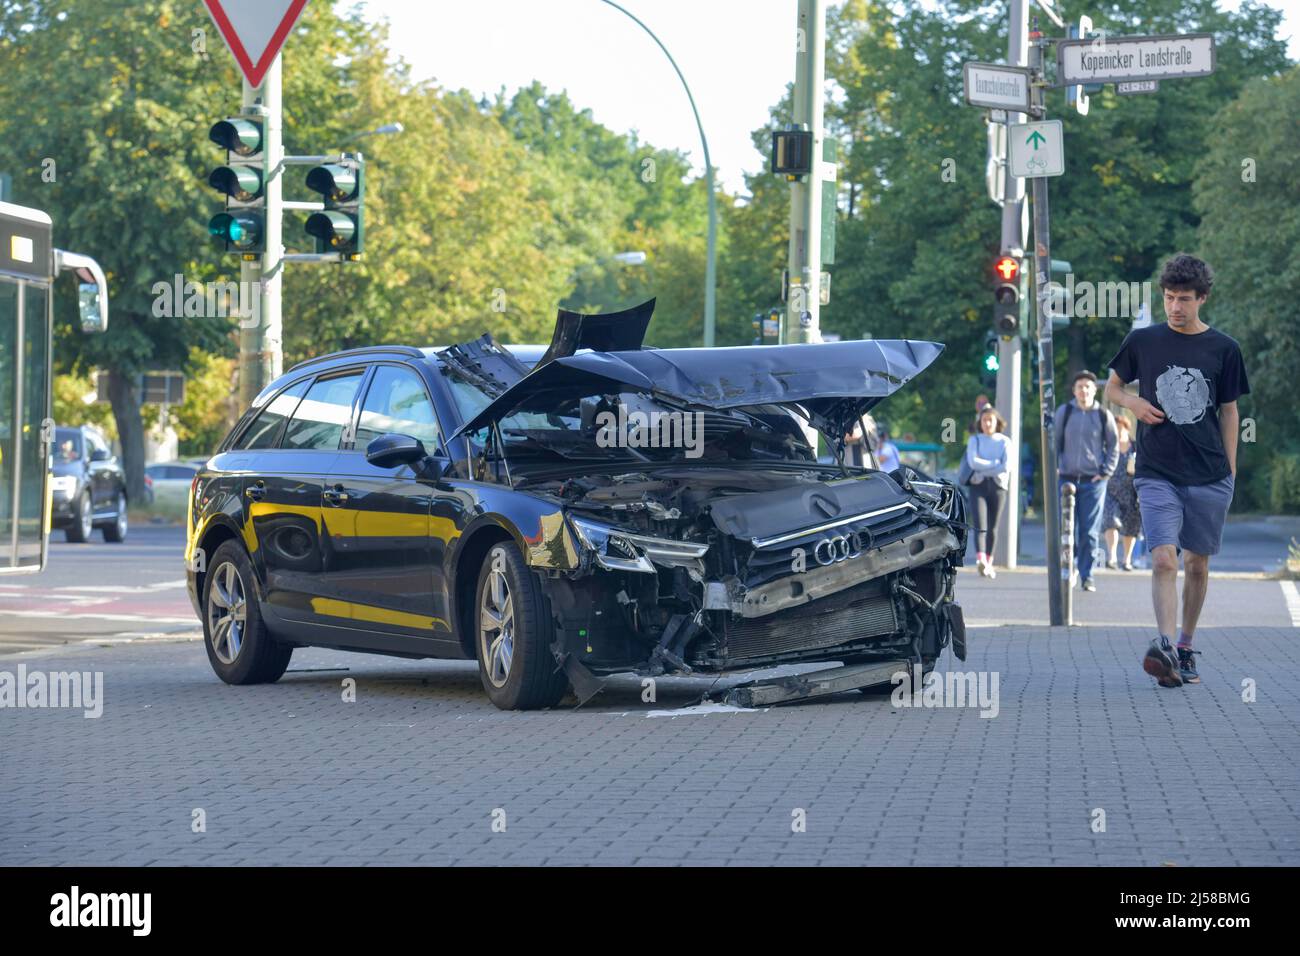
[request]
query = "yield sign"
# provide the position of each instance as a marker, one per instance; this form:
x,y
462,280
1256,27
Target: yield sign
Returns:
x,y
254,30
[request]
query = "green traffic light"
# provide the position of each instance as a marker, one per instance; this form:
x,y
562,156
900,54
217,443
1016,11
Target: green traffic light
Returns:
x,y
242,231
243,183
336,183
240,136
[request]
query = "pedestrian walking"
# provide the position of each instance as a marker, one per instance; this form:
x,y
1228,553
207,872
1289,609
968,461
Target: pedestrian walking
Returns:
x,y
1088,448
1189,378
859,443
887,452
987,461
1121,517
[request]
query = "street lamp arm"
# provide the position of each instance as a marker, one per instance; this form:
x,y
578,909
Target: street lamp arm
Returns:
x,y
710,280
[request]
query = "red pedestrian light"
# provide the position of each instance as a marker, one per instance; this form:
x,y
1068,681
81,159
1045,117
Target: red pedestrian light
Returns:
x,y
1007,268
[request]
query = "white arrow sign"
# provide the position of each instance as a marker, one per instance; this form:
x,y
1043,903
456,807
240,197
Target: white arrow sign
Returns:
x,y
996,86
1036,149
255,30
1106,59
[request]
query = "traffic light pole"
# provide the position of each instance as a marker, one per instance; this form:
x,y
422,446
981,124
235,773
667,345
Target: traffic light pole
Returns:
x,y
261,358
1010,351
1046,386
805,254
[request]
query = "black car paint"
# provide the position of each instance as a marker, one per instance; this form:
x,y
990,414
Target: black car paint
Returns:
x,y
102,478
385,560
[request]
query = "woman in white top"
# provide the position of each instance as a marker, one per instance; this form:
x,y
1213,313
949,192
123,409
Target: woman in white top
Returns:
x,y
988,458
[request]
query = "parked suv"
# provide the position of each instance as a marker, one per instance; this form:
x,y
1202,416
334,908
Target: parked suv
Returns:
x,y
455,503
88,484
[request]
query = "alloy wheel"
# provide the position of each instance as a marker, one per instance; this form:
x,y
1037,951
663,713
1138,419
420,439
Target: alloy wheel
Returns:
x,y
497,625
227,613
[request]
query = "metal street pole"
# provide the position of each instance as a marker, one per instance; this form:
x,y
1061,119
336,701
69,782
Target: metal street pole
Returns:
x,y
1046,385
803,310
711,265
261,358
1011,353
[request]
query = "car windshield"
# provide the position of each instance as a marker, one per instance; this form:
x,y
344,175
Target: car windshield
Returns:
x,y
637,428
67,443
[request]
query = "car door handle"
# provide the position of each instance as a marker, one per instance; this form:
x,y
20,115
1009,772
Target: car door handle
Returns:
x,y
336,495
255,492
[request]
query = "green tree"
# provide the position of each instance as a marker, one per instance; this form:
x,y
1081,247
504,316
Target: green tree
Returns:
x,y
1247,197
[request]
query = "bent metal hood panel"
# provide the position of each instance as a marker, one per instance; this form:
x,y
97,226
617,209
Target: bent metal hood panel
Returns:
x,y
835,381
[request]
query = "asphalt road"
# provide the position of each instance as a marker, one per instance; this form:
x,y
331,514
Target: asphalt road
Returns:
x,y
99,591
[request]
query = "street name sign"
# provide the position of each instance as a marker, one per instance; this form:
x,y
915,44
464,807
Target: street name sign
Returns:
x,y
1036,149
255,30
1107,59
1137,86
996,86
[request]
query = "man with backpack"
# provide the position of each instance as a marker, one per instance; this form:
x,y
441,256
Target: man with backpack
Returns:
x,y
1087,448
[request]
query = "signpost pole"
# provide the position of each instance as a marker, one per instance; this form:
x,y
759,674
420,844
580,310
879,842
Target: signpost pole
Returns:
x,y
1010,358
1046,386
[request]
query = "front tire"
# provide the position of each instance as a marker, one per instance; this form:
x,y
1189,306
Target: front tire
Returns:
x,y
116,532
83,521
513,634
240,648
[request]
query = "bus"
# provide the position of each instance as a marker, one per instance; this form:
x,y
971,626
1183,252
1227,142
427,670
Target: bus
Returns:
x,y
29,263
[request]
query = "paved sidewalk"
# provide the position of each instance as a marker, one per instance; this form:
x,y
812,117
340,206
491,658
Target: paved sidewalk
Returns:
x,y
412,772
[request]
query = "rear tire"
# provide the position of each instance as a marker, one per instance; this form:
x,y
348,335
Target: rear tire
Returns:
x,y
116,532
240,648
513,634
83,520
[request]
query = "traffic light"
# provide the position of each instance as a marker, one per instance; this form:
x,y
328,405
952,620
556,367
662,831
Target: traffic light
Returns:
x,y
792,153
339,227
989,363
242,227
1006,296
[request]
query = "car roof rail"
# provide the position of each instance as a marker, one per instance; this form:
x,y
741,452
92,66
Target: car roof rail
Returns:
x,y
407,350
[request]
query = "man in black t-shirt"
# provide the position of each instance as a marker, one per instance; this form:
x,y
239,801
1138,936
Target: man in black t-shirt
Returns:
x,y
1189,379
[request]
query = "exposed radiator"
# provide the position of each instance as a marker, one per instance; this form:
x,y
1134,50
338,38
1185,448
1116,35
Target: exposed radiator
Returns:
x,y
864,610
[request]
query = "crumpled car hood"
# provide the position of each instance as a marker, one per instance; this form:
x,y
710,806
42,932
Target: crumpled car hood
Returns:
x,y
836,382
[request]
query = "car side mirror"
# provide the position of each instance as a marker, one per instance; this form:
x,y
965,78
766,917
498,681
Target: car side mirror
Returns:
x,y
99,455
390,451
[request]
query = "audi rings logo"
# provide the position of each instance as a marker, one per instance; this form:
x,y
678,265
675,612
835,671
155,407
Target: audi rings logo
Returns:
x,y
839,548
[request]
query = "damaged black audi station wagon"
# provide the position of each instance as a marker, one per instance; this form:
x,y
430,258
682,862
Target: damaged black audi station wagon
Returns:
x,y
503,504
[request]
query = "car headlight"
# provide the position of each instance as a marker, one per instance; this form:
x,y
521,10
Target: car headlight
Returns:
x,y
63,484
618,550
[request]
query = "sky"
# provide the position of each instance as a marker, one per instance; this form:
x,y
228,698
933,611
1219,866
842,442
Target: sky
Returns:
x,y
737,56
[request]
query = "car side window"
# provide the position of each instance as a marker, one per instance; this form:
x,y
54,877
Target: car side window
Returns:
x,y
265,428
323,413
92,440
397,403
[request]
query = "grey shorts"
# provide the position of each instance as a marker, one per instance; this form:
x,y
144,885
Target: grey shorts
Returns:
x,y
1189,516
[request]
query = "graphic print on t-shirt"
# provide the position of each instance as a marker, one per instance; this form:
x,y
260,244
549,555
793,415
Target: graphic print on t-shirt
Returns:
x,y
1183,393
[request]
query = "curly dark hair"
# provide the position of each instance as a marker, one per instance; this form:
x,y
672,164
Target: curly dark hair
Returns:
x,y
1183,272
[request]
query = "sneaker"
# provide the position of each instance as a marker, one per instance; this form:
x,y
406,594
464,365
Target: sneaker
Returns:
x,y
1128,565
1162,664
1112,564
989,571
1187,665
1088,585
